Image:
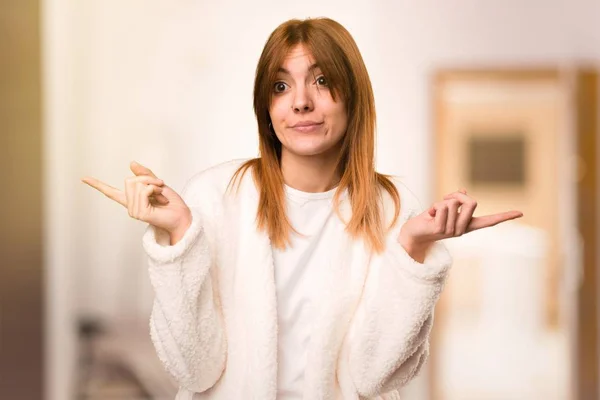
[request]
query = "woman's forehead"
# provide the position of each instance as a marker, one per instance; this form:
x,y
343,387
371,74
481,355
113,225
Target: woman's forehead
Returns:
x,y
298,58
299,51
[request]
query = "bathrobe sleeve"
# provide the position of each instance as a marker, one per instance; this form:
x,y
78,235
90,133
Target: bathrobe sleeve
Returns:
x,y
186,324
388,339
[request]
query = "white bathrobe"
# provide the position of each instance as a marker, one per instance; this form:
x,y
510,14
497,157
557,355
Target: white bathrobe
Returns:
x,y
214,319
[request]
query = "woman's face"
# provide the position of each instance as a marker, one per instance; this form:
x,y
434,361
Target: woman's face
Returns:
x,y
305,118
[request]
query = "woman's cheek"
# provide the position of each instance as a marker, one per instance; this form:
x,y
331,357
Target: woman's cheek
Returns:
x,y
278,110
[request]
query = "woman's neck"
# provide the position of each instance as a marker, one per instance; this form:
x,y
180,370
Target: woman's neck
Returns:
x,y
311,174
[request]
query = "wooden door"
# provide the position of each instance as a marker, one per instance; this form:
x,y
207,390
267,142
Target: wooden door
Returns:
x,y
503,322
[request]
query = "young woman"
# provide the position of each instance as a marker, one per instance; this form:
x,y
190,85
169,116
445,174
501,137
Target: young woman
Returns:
x,y
301,274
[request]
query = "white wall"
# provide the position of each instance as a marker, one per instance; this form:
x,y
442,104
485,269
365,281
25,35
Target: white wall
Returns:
x,y
169,84
59,154
414,40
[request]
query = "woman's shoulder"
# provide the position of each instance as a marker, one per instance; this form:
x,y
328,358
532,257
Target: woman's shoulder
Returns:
x,y
211,181
409,202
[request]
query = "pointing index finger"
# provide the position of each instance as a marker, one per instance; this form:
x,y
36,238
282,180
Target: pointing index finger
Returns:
x,y
109,191
491,220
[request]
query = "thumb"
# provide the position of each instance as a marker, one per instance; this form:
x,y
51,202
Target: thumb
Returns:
x,y
139,169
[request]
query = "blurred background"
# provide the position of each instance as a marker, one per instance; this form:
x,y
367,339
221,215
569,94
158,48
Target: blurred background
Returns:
x,y
500,97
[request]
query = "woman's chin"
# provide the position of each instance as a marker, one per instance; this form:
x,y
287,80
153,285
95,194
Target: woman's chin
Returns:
x,y
310,151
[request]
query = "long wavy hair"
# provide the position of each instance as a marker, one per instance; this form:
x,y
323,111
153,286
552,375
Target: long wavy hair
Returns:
x,y
337,55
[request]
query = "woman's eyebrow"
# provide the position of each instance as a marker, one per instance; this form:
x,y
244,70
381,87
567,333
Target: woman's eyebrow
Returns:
x,y
310,69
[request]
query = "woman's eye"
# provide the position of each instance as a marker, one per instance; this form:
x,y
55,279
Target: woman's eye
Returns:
x,y
321,81
279,87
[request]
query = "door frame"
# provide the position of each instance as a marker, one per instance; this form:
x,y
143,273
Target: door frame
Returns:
x,y
581,102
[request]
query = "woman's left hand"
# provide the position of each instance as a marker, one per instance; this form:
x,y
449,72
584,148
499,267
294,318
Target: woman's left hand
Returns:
x,y
452,217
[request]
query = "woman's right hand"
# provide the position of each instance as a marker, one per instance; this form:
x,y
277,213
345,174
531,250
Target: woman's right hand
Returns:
x,y
148,199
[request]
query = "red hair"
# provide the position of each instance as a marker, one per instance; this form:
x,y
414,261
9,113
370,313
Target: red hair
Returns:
x,y
338,57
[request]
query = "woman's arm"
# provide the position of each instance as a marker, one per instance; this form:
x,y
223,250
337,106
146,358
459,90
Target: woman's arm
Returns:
x,y
389,337
186,324
388,341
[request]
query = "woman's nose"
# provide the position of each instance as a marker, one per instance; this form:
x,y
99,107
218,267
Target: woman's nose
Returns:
x,y
302,101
